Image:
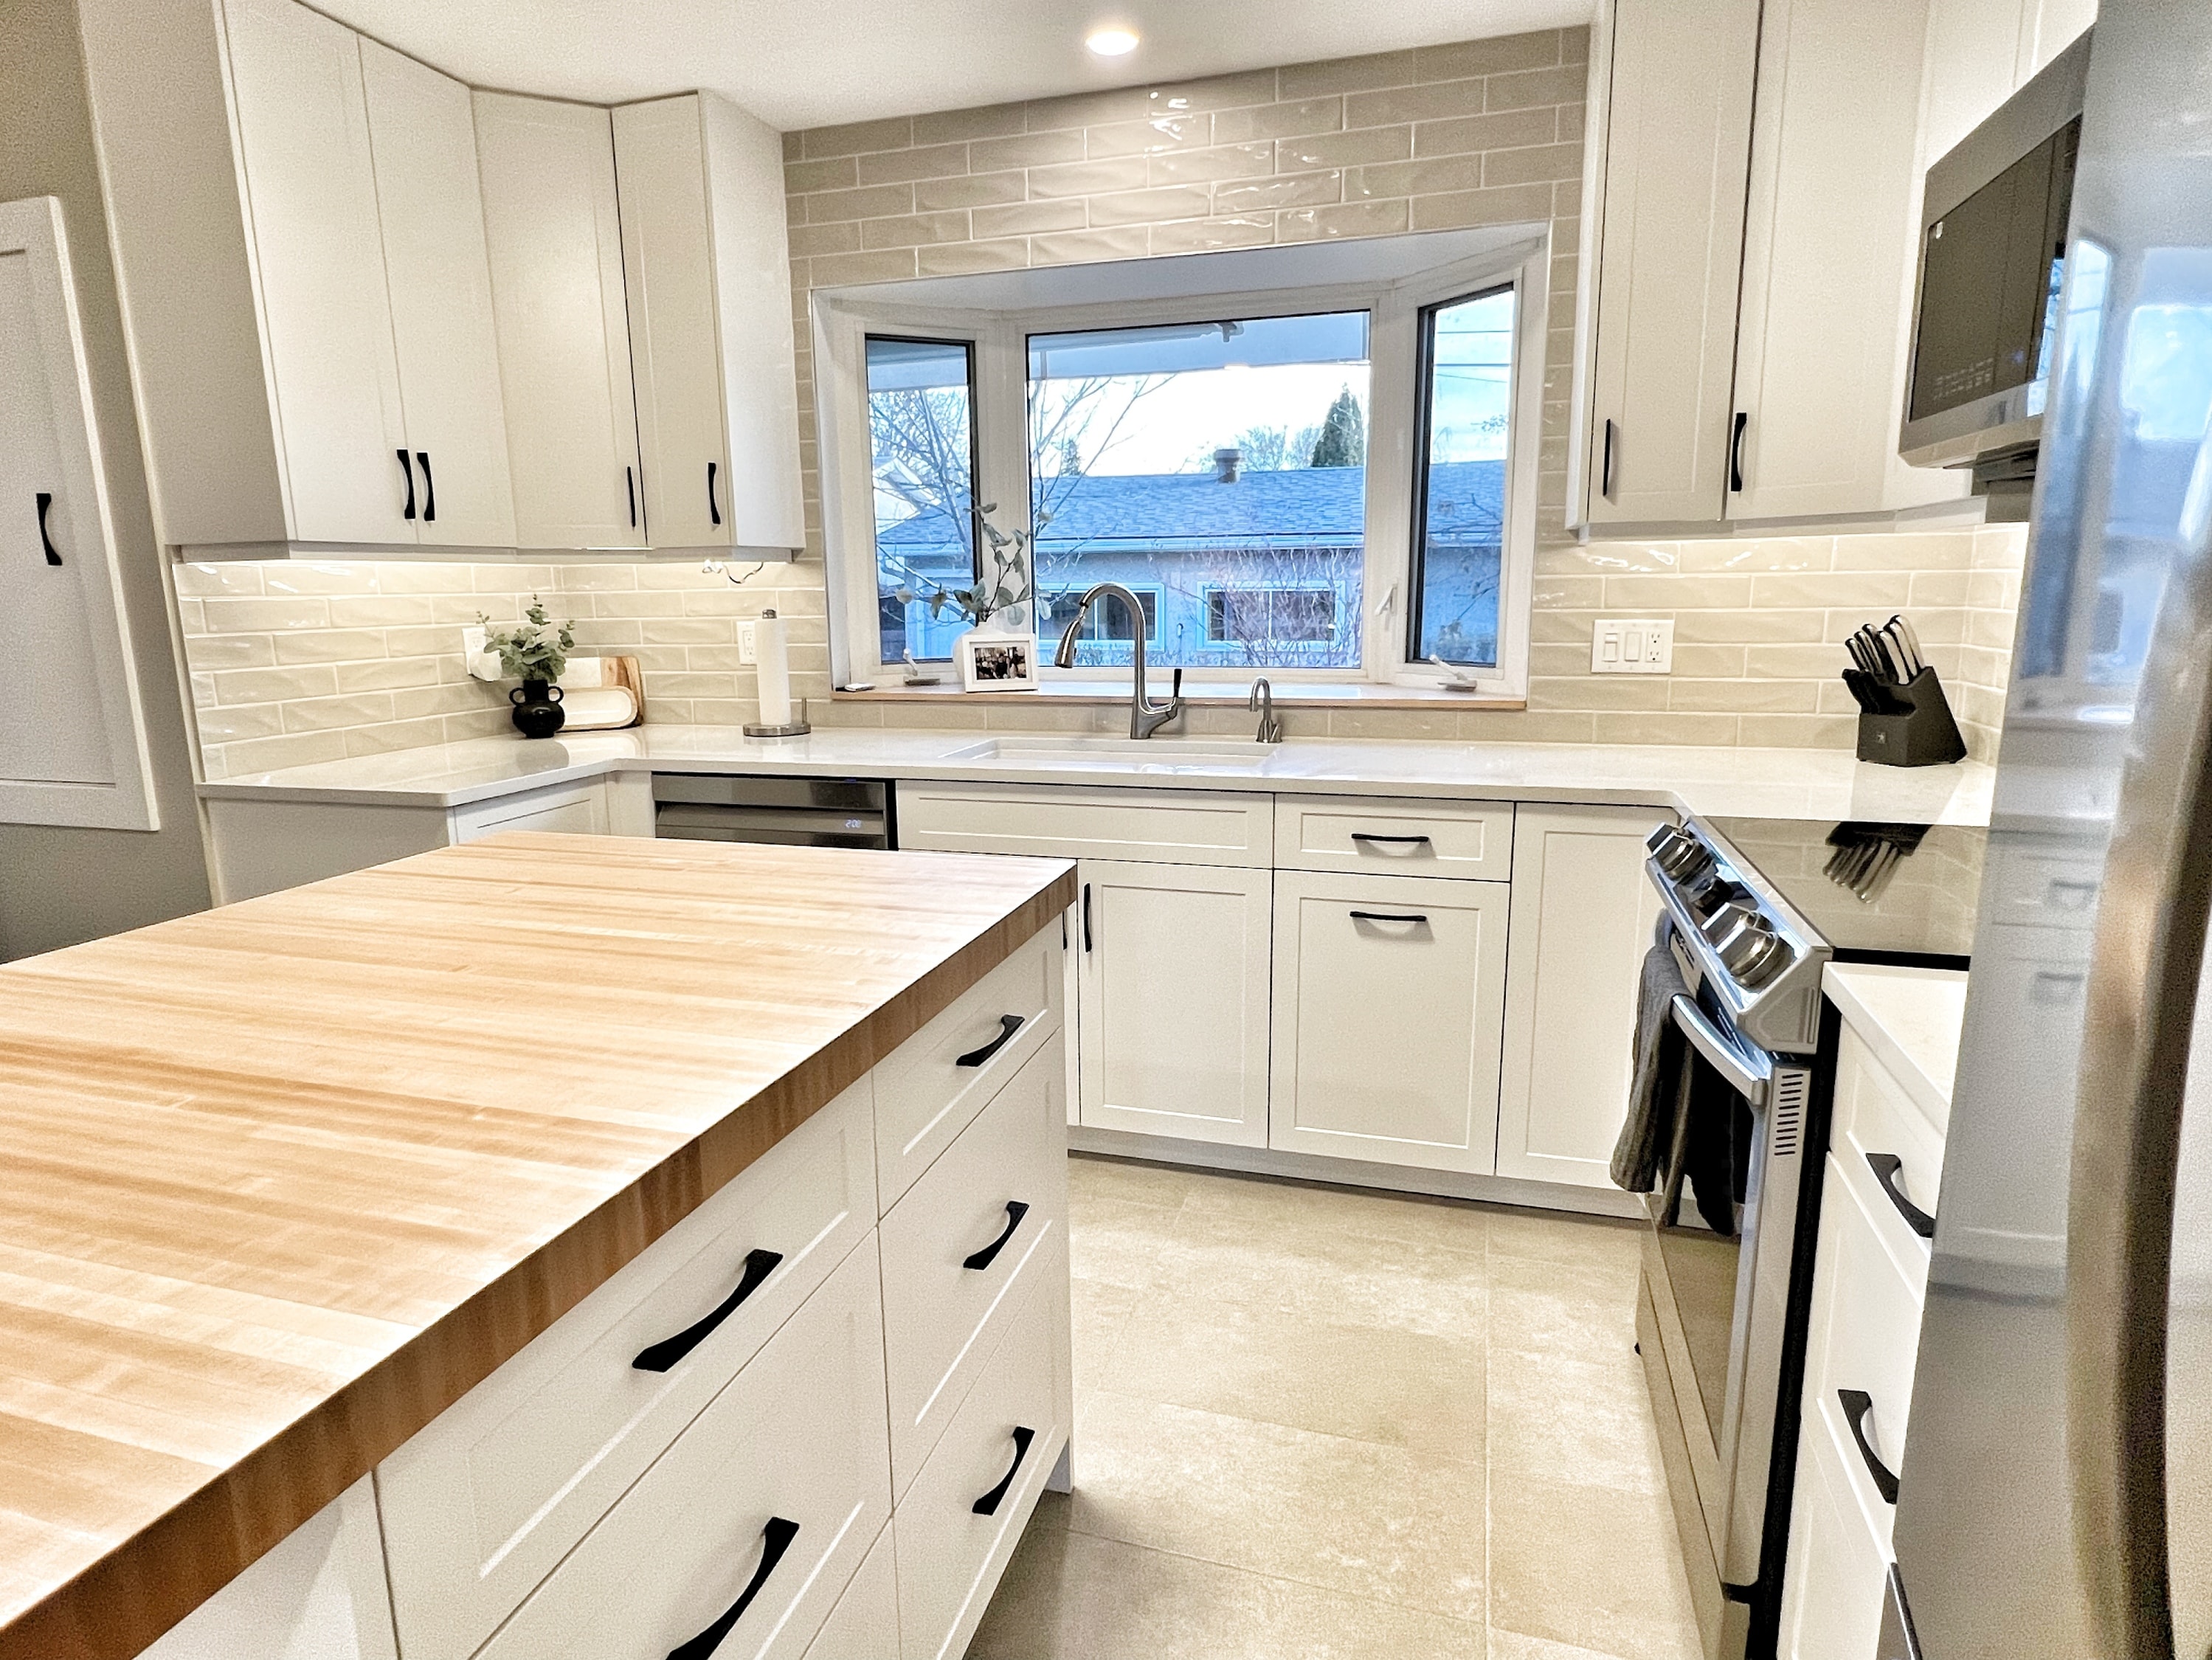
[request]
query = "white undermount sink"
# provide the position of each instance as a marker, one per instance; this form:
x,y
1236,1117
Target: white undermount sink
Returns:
x,y
1122,754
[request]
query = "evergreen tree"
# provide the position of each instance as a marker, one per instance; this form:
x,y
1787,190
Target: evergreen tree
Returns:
x,y
1343,441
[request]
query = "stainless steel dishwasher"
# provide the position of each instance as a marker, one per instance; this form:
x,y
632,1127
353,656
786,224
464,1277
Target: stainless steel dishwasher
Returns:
x,y
790,812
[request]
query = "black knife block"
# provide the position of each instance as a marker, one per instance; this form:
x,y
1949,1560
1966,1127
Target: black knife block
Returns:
x,y
1920,731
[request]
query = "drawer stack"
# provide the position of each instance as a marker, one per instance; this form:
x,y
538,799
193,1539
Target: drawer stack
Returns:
x,y
1870,1277
811,1420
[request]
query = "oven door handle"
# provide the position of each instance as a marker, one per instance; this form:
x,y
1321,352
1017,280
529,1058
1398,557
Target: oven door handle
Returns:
x,y
1749,1073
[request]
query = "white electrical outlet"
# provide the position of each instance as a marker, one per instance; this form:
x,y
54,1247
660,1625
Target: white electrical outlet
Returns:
x,y
1632,646
484,665
745,638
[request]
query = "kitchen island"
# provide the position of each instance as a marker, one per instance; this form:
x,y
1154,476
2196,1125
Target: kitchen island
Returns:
x,y
290,1180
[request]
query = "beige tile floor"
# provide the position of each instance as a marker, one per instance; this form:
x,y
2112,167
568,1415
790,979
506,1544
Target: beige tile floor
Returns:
x,y
1320,1424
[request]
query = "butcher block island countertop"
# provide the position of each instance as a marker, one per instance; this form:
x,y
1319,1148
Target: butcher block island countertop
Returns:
x,y
284,1180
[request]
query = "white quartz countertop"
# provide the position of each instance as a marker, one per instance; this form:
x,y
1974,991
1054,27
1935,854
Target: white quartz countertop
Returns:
x,y
1911,1018
1760,783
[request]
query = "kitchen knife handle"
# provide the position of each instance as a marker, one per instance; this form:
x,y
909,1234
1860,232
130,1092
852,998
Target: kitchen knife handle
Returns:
x,y
429,488
1008,1026
1735,453
988,1504
1857,1403
775,1540
407,471
982,1259
664,1355
1886,1167
45,505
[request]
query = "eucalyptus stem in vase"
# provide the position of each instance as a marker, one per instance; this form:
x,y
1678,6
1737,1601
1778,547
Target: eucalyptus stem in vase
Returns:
x,y
535,651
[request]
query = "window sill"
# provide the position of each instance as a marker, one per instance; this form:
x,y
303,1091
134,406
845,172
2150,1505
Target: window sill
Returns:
x,y
1323,695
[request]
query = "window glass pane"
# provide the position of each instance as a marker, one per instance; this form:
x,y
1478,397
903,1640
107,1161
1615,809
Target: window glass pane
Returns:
x,y
1467,353
1217,469
922,431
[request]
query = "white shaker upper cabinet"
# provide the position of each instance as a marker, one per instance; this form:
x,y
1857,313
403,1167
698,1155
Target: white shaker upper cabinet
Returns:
x,y
422,137
73,749
303,139
551,220
707,261
1677,127
1829,250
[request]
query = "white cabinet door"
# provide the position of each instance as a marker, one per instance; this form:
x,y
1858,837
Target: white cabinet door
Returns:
x,y
2052,25
1582,916
1829,247
73,751
1832,1592
572,809
422,134
303,132
1975,48
668,260
1670,253
1390,999
554,233
1171,1012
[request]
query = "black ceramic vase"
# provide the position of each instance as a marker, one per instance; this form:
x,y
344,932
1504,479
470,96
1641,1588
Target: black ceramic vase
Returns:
x,y
537,712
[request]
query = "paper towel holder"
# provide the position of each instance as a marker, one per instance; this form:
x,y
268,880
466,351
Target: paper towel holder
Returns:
x,y
796,727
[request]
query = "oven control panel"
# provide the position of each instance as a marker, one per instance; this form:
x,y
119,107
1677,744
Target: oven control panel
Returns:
x,y
1762,960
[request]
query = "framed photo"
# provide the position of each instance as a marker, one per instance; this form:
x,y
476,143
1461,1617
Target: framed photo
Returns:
x,y
997,662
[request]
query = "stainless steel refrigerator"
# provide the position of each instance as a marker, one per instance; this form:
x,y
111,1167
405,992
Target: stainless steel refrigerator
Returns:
x,y
2056,1494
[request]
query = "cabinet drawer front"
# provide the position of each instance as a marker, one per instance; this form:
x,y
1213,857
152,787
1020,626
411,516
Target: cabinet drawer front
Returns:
x,y
1395,837
481,1506
573,809
942,1317
1875,1122
950,1557
925,1097
1865,1334
798,1438
1837,1560
1390,1007
864,1626
1175,827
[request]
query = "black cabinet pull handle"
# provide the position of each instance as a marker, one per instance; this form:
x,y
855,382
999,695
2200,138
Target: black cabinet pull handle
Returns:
x,y
629,488
775,1540
407,471
1388,916
1886,1167
988,1504
1086,919
1605,474
713,508
1857,1403
1008,1026
1407,841
46,503
982,1259
429,488
659,1357
1735,453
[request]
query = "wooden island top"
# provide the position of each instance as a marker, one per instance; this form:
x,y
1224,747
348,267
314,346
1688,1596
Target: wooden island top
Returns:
x,y
283,1181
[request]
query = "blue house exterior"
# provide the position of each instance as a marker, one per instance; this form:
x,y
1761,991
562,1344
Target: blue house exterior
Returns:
x,y
1257,570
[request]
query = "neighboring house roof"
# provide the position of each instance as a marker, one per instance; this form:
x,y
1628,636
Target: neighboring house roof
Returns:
x,y
1192,512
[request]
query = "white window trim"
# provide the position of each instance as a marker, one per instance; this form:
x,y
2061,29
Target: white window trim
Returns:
x,y
1519,256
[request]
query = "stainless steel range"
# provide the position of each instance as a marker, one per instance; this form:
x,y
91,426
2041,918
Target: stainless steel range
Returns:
x,y
1728,1272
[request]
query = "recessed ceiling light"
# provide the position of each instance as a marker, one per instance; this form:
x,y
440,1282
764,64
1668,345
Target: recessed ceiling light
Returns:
x,y
1111,42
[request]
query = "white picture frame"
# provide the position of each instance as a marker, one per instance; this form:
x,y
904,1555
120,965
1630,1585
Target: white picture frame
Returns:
x,y
996,662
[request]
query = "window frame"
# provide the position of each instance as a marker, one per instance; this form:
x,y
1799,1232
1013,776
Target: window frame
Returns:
x,y
1519,259
1417,527
975,458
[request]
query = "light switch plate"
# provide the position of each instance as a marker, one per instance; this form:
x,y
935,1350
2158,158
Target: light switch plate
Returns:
x,y
1632,645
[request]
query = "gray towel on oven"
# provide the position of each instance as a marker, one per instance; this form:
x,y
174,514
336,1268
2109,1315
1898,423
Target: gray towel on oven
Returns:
x,y
1655,1088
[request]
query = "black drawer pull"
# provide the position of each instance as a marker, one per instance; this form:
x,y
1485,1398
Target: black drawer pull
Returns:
x,y
1857,1403
1886,1167
1008,1026
429,488
713,508
1735,453
630,489
46,506
1405,841
988,1504
775,1540
759,1264
1388,916
407,469
1086,918
982,1259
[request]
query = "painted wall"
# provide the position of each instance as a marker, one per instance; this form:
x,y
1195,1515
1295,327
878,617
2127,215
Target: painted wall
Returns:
x,y
60,886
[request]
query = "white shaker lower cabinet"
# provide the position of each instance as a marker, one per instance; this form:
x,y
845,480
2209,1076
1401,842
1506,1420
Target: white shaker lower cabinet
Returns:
x,y
864,1626
1390,999
1171,1010
1583,917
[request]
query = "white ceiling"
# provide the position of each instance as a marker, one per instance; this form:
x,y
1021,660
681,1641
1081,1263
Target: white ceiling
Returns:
x,y
809,63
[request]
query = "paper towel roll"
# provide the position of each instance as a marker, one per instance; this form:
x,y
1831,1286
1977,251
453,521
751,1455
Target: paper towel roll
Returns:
x,y
597,708
772,657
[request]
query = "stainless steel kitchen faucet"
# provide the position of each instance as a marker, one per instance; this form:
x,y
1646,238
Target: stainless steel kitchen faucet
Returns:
x,y
1145,717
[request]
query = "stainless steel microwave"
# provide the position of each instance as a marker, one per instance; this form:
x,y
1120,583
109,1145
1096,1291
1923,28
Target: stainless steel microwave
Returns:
x,y
1992,260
